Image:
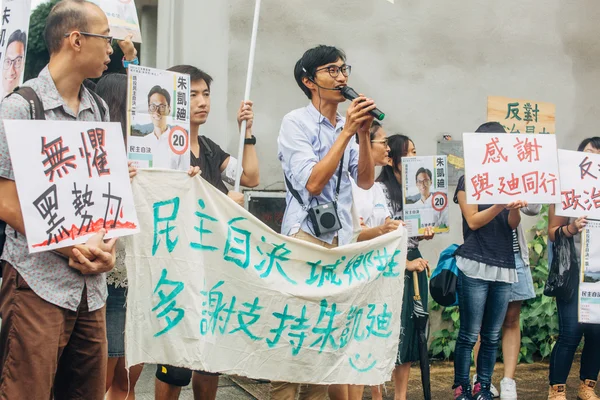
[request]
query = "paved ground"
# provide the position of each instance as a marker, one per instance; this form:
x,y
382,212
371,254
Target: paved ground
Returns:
x,y
531,383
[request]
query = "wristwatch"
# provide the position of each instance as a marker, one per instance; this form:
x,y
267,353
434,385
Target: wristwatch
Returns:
x,y
126,63
251,140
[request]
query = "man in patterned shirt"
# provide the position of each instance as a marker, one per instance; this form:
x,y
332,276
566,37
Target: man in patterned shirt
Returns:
x,y
53,333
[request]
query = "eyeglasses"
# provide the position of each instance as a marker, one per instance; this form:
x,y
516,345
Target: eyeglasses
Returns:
x,y
109,39
334,70
161,108
383,141
17,62
424,182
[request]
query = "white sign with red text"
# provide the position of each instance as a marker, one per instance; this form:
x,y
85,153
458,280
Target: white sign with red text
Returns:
x,y
579,184
501,168
72,180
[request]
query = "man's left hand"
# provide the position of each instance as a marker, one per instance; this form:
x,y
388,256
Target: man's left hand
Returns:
x,y
245,113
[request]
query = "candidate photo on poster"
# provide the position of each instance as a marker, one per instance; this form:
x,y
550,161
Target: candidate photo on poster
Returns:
x,y
152,128
420,198
14,60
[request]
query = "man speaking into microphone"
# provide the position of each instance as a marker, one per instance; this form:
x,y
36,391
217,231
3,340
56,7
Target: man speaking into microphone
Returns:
x,y
318,156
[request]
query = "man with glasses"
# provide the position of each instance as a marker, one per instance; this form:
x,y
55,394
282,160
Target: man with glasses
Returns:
x,y
424,201
53,333
14,56
159,108
313,141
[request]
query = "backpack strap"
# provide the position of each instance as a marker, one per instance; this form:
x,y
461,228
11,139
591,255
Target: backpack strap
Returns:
x,y
99,104
36,108
207,150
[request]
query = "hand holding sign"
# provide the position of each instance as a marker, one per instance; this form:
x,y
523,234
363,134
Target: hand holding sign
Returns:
x,y
103,252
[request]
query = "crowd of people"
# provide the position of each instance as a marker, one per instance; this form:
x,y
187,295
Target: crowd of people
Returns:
x,y
63,311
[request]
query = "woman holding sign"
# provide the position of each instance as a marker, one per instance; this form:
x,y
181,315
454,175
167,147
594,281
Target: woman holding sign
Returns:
x,y
487,269
570,330
390,181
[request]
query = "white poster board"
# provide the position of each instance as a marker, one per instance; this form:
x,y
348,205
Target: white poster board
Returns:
x,y
212,288
72,180
122,18
579,184
501,168
158,118
13,42
589,284
425,193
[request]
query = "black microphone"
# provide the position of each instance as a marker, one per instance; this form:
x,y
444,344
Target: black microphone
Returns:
x,y
351,94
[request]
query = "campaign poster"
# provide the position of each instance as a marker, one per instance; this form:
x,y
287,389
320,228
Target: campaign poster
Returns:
x,y
158,118
589,283
425,192
13,42
122,18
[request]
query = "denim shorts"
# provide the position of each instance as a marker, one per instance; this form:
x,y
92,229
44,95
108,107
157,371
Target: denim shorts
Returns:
x,y
115,321
523,289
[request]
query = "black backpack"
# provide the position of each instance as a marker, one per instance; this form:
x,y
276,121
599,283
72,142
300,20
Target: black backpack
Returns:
x,y
36,111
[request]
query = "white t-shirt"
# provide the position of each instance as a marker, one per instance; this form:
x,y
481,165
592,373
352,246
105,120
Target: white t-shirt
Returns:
x,y
371,204
162,155
429,216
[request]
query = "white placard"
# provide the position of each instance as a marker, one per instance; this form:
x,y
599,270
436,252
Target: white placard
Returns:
x,y
501,168
589,284
122,18
579,184
72,180
13,42
159,118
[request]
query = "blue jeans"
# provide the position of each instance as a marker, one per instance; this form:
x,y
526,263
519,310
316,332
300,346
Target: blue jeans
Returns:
x,y
482,306
570,332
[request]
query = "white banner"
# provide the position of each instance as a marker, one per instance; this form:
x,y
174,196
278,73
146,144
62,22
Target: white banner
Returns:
x,y
212,288
425,192
72,181
158,115
589,284
13,42
501,168
122,18
579,184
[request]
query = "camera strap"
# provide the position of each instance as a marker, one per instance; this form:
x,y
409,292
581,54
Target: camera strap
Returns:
x,y
296,195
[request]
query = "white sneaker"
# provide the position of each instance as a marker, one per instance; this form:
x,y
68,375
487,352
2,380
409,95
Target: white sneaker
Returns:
x,y
493,389
508,389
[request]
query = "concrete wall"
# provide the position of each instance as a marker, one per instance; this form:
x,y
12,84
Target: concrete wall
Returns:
x,y
429,65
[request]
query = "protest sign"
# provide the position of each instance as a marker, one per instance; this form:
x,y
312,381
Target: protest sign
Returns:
x,y
579,184
453,150
72,181
589,284
212,288
501,168
122,18
13,42
158,118
522,116
425,194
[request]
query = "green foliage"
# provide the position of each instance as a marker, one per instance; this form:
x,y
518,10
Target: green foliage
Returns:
x,y
37,53
539,325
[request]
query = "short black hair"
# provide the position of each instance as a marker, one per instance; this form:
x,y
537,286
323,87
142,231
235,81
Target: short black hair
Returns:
x,y
65,16
423,171
196,74
313,59
163,92
113,89
594,141
491,127
17,36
